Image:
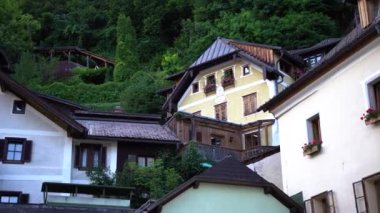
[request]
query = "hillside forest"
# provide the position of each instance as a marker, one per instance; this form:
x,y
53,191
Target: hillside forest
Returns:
x,y
149,40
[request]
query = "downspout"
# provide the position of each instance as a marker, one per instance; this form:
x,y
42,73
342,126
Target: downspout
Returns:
x,y
277,67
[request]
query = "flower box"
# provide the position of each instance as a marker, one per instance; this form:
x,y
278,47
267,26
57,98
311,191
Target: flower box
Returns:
x,y
313,150
312,147
371,116
209,88
372,120
227,81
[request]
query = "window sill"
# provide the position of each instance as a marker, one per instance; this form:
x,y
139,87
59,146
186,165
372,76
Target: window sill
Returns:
x,y
372,121
13,162
313,150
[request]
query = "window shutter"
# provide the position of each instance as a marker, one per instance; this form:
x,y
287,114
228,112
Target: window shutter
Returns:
x,y
246,106
77,156
360,199
103,156
330,201
28,151
217,112
24,199
308,207
2,145
224,112
254,102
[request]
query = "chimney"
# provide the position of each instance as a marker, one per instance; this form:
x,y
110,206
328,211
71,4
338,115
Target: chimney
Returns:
x,y
368,11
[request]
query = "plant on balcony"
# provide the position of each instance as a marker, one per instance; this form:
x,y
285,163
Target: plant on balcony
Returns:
x,y
370,116
312,147
210,87
227,80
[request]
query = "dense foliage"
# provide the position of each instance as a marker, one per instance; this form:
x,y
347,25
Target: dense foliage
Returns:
x,y
162,37
154,181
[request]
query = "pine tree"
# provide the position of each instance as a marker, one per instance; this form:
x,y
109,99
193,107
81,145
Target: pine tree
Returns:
x,y
126,59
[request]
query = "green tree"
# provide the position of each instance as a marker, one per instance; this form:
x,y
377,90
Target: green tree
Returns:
x,y
126,59
16,28
140,94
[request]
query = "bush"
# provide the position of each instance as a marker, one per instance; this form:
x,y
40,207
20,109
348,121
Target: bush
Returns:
x,y
91,75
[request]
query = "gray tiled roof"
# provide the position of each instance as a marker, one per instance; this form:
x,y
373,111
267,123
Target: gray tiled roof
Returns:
x,y
120,129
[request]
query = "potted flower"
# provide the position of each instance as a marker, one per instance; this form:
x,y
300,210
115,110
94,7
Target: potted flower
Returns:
x,y
210,87
312,147
370,116
227,80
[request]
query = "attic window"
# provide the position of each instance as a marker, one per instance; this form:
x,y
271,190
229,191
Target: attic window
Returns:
x,y
18,107
246,70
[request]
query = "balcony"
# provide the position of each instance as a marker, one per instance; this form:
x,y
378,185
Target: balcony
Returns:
x,y
86,195
209,88
228,81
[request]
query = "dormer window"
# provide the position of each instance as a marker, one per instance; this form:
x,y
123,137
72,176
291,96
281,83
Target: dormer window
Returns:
x,y
18,107
246,70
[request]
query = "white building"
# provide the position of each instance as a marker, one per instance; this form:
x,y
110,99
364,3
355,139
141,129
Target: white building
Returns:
x,y
343,173
44,139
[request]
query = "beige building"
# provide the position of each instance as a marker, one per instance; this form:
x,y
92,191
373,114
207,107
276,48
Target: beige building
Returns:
x,y
227,83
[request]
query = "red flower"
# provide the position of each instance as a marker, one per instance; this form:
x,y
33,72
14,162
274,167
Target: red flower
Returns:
x,y
369,110
361,118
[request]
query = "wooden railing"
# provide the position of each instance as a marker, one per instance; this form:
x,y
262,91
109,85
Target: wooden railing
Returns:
x,y
217,153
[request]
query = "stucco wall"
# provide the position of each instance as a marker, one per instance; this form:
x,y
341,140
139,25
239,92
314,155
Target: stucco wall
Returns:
x,y
49,151
224,198
350,148
233,95
79,176
269,168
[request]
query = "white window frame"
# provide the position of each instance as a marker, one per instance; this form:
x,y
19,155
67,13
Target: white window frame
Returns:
x,y
367,85
199,87
242,70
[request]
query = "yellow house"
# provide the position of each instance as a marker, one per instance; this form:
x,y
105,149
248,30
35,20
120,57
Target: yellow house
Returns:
x,y
228,82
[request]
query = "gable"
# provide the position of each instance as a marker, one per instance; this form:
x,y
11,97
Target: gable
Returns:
x,y
210,197
31,120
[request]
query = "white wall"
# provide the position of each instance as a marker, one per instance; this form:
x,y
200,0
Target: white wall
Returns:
x,y
79,176
269,168
350,149
48,142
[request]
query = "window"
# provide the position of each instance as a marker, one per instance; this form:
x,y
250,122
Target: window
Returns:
x,y
210,84
195,87
246,70
221,112
13,197
216,140
251,140
228,77
250,103
199,137
321,203
90,156
314,130
311,61
145,161
140,160
367,194
18,107
15,150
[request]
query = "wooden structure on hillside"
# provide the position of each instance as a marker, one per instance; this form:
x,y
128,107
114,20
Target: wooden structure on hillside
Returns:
x,y
73,54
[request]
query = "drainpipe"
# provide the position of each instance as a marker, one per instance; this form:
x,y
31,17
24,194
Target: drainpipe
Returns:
x,y
277,67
